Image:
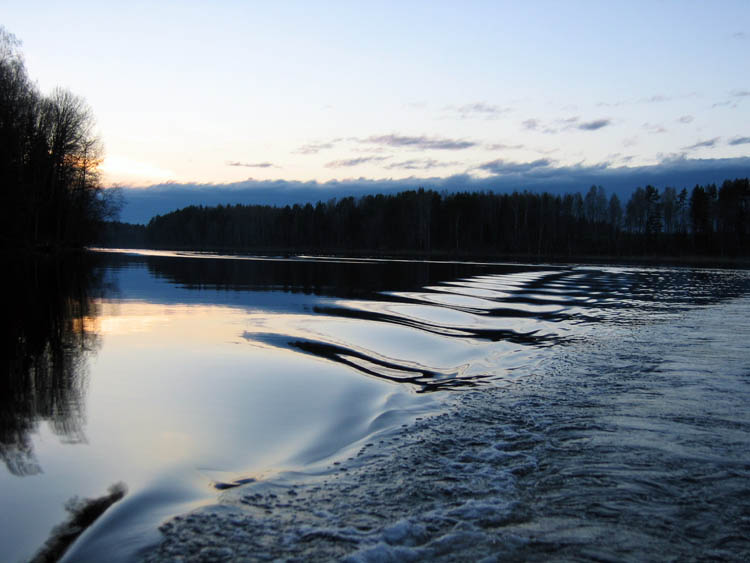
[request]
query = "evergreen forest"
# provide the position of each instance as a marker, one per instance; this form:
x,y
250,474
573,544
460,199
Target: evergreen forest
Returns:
x,y
708,220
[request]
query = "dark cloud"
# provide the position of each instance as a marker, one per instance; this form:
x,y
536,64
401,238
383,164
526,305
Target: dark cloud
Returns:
x,y
419,164
502,167
531,124
478,110
741,93
251,164
347,163
143,203
421,142
313,148
709,143
740,141
685,119
594,125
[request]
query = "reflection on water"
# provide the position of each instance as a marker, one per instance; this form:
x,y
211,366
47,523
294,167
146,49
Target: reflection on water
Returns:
x,y
183,376
45,348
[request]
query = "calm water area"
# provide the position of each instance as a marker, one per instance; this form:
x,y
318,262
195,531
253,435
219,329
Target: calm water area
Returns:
x,y
376,410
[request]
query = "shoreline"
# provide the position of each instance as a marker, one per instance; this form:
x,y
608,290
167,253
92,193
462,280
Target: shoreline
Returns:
x,y
698,261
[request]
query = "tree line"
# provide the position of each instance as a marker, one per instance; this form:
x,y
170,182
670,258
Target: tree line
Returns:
x,y
707,220
50,191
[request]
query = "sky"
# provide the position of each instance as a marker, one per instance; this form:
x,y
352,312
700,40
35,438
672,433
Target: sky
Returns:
x,y
294,97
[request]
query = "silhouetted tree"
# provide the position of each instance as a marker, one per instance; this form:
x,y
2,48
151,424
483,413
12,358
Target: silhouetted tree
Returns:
x,y
50,191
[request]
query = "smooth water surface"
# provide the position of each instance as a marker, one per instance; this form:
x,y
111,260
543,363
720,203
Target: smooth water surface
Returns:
x,y
370,409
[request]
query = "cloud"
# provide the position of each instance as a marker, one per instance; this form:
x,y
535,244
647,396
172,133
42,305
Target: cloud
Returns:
x,y
565,124
314,148
611,104
739,35
594,125
503,167
685,119
658,98
347,163
709,143
504,147
740,141
251,164
477,110
741,93
654,128
535,124
722,104
421,142
143,203
419,164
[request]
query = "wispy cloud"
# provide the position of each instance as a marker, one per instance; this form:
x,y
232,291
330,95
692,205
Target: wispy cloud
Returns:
x,y
565,124
740,141
616,104
739,35
655,99
724,104
504,147
251,164
654,128
419,164
502,167
685,119
420,142
348,163
733,103
532,124
314,148
594,125
477,110
709,143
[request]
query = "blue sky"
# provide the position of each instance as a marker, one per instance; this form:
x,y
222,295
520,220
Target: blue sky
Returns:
x,y
216,93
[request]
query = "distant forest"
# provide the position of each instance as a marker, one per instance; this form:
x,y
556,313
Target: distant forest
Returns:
x,y
50,194
705,221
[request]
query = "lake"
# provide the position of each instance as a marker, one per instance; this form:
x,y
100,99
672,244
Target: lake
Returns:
x,y
319,408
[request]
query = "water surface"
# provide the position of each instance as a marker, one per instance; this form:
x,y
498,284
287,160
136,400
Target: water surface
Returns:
x,y
367,408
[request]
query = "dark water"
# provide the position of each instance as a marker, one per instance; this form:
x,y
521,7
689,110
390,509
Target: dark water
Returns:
x,y
376,410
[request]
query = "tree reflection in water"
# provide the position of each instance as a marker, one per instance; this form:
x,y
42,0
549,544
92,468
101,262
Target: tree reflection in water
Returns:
x,y
48,335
